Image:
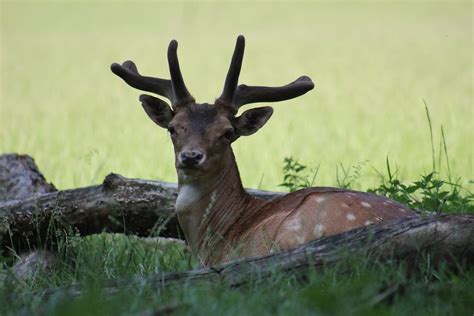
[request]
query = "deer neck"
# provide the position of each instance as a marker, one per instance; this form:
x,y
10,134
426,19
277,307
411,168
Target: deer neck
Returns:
x,y
209,206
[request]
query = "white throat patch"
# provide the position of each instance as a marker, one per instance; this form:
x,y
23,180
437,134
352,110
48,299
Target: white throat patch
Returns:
x,y
187,195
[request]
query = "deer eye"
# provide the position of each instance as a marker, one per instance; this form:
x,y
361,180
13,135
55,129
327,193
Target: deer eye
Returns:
x,y
228,134
171,130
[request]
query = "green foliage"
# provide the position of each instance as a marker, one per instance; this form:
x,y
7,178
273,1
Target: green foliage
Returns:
x,y
430,193
355,286
295,175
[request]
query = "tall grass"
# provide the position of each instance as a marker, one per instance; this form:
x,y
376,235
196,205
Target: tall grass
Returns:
x,y
356,286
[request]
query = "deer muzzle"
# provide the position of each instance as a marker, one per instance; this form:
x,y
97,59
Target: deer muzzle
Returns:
x,y
191,158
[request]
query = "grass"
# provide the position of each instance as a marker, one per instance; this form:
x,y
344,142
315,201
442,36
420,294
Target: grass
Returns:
x,y
356,286
376,67
373,64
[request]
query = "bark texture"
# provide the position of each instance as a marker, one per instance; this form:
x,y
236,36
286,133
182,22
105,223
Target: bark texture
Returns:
x,y
448,237
20,178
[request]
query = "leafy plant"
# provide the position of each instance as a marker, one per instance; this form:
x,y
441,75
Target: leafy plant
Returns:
x,y
430,193
295,175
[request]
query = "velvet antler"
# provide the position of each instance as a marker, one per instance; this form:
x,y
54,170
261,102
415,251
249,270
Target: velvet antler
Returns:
x,y
174,90
236,96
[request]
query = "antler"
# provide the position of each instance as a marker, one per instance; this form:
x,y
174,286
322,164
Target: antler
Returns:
x,y
251,94
174,90
232,78
129,73
236,96
181,93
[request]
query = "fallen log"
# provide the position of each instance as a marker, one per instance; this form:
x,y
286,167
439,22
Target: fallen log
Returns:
x,y
130,206
32,211
20,178
449,238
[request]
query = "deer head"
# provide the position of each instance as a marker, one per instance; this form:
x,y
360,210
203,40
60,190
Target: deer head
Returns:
x,y
202,133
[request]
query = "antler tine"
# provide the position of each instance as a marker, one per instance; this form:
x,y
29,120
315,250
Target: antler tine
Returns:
x,y
233,73
251,94
129,73
181,93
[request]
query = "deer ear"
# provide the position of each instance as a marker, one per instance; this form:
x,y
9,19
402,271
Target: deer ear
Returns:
x,y
159,111
252,120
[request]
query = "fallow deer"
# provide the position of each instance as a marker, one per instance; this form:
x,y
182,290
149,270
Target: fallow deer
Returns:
x,y
220,220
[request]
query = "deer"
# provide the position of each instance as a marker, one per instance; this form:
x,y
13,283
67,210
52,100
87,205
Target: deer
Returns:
x,y
220,220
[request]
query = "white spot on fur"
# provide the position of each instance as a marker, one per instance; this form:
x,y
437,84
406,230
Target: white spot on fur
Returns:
x,y
320,199
367,223
294,224
402,210
344,205
385,203
365,204
318,231
350,217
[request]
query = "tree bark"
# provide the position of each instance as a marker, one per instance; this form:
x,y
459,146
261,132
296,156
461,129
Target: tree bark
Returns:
x,y
130,206
449,238
20,178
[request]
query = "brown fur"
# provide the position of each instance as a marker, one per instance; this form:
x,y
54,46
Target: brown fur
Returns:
x,y
234,224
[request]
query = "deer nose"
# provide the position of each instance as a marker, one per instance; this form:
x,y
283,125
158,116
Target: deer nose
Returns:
x,y
191,158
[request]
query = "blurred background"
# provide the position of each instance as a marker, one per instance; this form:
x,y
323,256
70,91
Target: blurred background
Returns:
x,y
373,65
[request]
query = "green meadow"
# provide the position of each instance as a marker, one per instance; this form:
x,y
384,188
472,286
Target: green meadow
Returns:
x,y
378,67
373,65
